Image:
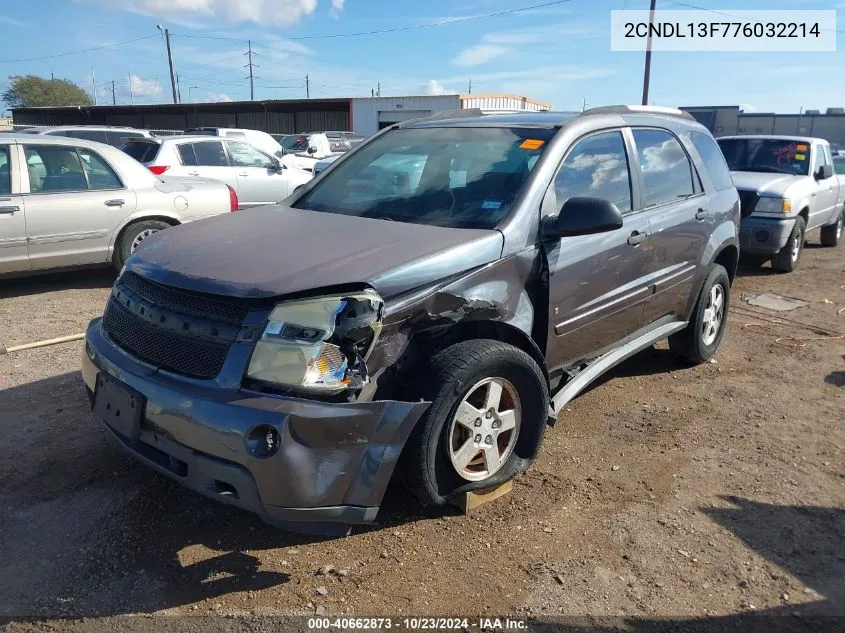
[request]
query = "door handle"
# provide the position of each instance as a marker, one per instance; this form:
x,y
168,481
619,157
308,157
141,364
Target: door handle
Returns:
x,y
243,173
10,209
193,173
636,238
703,214
117,202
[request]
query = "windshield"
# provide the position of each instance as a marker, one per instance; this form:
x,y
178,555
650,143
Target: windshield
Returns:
x,y
456,177
295,143
770,156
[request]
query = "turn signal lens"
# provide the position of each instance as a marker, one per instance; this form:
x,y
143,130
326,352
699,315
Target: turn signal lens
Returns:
x,y
787,206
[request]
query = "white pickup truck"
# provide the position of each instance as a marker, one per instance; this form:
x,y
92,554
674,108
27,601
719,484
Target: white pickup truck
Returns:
x,y
787,186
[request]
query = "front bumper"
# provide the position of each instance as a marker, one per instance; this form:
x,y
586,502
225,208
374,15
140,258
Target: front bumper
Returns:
x,y
333,462
764,235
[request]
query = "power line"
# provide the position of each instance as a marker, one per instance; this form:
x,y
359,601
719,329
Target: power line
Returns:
x,y
729,15
396,28
86,50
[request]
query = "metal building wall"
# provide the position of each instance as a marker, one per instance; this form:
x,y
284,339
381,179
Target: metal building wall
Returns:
x,y
367,112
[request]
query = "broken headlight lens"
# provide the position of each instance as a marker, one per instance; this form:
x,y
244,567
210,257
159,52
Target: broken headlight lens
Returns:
x,y
318,344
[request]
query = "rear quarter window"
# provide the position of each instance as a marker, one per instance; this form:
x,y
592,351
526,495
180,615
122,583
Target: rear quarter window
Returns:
x,y
713,159
142,152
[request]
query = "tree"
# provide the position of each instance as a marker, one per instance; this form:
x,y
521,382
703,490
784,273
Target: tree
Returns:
x,y
33,91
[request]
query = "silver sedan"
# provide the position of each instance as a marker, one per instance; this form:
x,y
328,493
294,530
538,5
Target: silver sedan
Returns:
x,y
67,203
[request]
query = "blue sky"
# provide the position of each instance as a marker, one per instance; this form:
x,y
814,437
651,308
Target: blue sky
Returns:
x,y
560,54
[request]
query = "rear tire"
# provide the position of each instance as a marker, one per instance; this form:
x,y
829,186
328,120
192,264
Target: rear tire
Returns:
x,y
132,237
698,341
833,233
786,259
441,458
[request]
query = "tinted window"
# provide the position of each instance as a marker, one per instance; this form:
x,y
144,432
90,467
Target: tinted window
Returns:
x,y
245,155
770,156
596,167
459,177
839,165
100,174
186,154
203,131
119,138
5,176
667,171
713,160
53,168
295,143
89,135
210,154
141,151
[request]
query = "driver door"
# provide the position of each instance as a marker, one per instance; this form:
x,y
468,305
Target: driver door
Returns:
x,y
826,189
598,284
259,179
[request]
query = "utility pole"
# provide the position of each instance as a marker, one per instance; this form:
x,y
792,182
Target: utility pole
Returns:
x,y
113,95
250,65
169,61
378,89
307,88
470,86
52,77
94,85
178,90
647,71
584,105
131,96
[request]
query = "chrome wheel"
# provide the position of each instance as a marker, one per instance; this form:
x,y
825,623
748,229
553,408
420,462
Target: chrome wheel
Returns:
x,y
141,237
839,228
796,246
714,312
485,428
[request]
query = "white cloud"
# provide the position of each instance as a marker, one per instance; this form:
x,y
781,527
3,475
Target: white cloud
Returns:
x,y
5,19
479,54
265,12
142,88
337,8
747,107
218,96
432,87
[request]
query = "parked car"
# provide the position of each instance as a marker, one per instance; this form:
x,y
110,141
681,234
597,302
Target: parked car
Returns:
x,y
114,136
787,187
306,150
256,138
439,294
257,177
839,167
66,203
321,165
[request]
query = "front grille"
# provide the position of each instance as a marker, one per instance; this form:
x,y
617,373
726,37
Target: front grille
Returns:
x,y
206,306
185,355
747,202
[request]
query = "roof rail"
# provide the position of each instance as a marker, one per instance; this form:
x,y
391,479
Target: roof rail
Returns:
x,y
633,109
447,114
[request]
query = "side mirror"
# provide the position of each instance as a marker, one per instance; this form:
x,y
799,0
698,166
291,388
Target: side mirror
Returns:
x,y
312,149
824,172
277,166
584,216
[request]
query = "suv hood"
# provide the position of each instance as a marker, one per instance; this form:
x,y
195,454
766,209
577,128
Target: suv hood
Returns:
x,y
276,250
764,184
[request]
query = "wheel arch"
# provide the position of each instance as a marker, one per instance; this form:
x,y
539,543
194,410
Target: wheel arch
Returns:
x,y
121,231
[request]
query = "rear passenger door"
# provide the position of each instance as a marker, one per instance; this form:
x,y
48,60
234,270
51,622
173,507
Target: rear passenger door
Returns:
x,y
13,252
207,159
673,200
259,182
75,201
598,284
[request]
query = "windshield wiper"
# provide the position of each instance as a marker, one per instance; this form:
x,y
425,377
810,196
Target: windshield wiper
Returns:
x,y
765,169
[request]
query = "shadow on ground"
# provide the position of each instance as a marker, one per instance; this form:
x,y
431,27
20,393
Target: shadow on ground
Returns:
x,y
73,280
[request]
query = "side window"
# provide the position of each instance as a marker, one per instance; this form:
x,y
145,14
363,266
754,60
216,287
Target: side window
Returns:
x,y
5,175
100,174
54,168
667,171
596,167
819,158
713,159
89,135
211,154
186,154
245,155
119,138
235,134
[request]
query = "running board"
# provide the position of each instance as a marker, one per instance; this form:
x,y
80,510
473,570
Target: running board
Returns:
x,y
608,361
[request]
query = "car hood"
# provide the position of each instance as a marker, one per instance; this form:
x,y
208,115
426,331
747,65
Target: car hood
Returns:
x,y
276,250
765,184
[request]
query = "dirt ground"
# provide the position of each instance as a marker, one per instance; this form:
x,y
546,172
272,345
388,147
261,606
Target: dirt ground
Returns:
x,y
699,494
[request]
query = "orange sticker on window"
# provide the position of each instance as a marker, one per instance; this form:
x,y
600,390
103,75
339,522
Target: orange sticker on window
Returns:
x,y
531,143
801,148
800,156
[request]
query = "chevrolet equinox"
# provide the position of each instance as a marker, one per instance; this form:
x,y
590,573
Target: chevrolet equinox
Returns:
x,y
424,308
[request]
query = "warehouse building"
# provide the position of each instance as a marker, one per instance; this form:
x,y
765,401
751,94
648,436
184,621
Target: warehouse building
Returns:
x,y
729,120
363,115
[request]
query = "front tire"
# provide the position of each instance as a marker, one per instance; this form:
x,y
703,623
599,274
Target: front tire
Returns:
x,y
698,341
489,406
132,237
833,233
786,259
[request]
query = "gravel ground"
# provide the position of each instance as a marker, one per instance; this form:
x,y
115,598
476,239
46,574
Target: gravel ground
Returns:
x,y
701,494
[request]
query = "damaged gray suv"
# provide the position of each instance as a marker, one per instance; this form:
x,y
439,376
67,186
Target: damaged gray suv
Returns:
x,y
422,309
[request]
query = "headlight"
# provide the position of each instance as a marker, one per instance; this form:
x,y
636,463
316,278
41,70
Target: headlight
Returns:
x,y
318,344
773,205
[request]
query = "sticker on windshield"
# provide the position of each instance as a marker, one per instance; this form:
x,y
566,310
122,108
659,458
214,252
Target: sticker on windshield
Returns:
x,y
800,156
531,143
491,204
801,148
